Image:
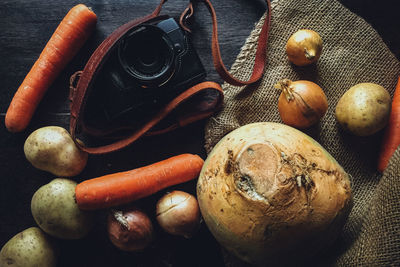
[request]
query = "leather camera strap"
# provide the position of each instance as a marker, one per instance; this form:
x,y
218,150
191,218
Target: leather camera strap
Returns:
x,y
79,93
145,130
261,52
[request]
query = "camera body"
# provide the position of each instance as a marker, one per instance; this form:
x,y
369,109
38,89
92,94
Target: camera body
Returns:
x,y
148,67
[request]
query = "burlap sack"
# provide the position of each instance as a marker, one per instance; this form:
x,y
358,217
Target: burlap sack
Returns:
x,y
353,52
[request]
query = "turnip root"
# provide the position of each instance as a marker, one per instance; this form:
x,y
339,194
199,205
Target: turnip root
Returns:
x,y
271,194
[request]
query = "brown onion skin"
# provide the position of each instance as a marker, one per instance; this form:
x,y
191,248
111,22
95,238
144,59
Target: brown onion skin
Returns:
x,y
307,106
304,47
130,230
178,213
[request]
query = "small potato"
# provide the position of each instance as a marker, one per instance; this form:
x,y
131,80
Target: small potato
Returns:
x,y
52,149
364,109
29,248
55,210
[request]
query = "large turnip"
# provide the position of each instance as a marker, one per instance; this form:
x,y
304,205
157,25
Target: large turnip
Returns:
x,y
271,194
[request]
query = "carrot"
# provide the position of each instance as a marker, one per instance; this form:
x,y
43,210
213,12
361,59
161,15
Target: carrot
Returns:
x,y
124,187
391,137
67,39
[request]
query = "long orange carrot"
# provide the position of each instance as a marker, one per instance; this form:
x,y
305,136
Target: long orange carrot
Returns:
x,y
63,45
391,137
124,187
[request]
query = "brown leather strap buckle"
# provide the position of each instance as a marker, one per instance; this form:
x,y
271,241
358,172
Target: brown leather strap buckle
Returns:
x,y
73,84
185,16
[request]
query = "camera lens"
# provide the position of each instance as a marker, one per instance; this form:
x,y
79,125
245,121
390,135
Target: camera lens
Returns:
x,y
147,54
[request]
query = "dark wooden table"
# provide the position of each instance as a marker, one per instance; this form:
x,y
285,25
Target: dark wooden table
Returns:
x,y
25,27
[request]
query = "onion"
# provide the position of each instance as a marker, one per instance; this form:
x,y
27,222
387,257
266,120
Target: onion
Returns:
x,y
178,213
304,47
301,103
130,230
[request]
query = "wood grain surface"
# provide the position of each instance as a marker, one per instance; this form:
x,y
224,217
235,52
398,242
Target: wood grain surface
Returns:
x,y
25,27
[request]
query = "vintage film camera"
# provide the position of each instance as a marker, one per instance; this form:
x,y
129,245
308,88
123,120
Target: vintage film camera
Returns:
x,y
150,65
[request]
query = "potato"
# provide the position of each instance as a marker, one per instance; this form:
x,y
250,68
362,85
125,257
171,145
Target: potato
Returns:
x,y
52,149
29,248
271,194
364,109
55,210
